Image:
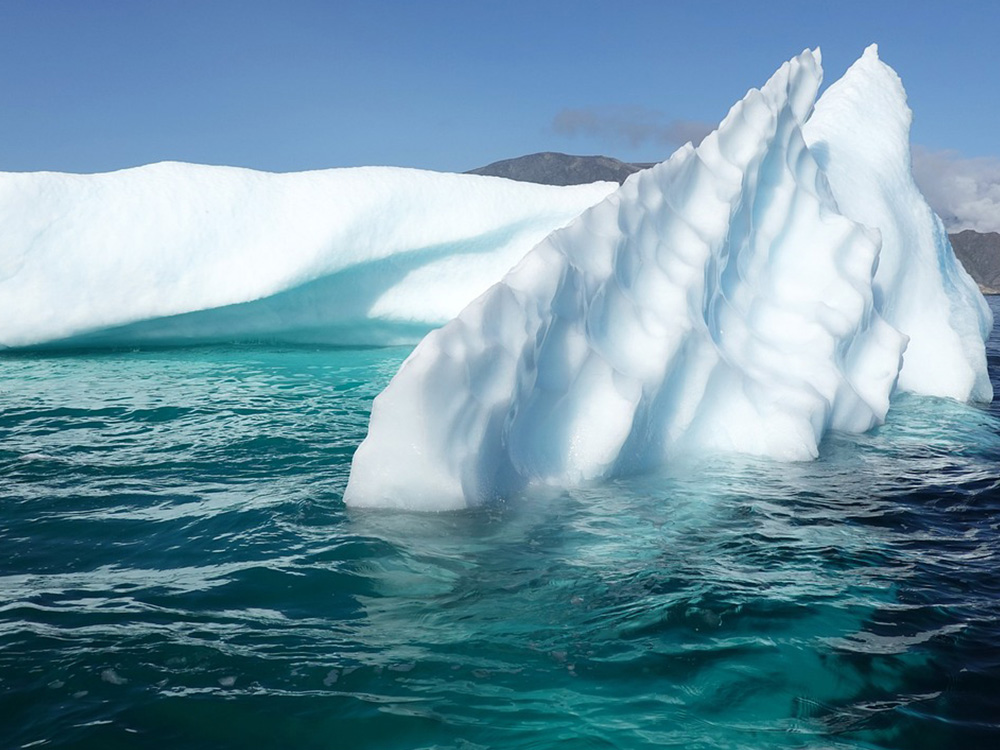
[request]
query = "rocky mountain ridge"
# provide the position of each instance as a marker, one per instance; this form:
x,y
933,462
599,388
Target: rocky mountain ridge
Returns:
x,y
553,168
980,254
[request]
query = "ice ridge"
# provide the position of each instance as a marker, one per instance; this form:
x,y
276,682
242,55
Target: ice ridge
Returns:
x,y
922,288
728,299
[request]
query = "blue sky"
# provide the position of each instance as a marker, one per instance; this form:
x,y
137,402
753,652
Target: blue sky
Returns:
x,y
95,85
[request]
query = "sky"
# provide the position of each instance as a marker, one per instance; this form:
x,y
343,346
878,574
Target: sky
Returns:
x,y
98,85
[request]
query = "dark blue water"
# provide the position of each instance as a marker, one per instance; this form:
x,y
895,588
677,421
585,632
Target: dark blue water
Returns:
x,y
177,570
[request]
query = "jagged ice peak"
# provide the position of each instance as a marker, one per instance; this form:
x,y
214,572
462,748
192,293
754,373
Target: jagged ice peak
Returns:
x,y
779,281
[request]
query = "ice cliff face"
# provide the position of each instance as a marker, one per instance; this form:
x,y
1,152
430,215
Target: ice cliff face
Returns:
x,y
181,252
860,134
730,299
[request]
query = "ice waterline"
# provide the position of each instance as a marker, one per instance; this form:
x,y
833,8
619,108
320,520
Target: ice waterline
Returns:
x,y
783,279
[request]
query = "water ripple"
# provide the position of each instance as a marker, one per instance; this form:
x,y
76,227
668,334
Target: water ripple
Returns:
x,y
179,570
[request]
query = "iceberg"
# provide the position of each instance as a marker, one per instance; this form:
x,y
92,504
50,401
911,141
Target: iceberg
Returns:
x,y
180,253
748,295
922,289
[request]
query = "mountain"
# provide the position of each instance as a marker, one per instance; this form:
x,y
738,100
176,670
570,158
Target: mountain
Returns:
x,y
551,168
980,254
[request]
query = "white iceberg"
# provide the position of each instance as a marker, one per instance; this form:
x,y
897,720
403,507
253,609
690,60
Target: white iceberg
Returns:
x,y
860,135
175,252
729,299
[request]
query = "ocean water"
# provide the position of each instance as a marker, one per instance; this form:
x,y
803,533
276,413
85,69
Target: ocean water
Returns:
x,y
177,570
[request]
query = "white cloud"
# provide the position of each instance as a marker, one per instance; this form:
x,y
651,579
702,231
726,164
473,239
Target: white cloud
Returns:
x,y
964,192
635,126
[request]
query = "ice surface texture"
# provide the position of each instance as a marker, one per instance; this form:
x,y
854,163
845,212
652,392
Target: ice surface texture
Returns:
x,y
181,252
728,299
860,135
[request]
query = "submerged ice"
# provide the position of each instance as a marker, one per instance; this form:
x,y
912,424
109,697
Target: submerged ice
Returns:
x,y
182,252
780,280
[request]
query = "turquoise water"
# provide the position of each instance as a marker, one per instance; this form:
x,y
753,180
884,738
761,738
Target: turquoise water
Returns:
x,y
177,570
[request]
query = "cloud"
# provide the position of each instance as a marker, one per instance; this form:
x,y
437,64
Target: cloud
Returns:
x,y
964,192
635,126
